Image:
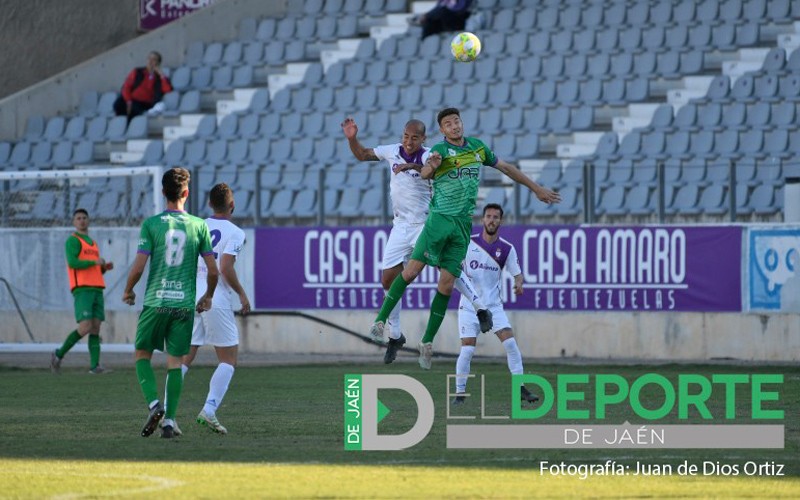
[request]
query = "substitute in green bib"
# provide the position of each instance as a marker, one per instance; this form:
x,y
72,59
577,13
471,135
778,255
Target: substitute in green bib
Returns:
x,y
175,240
85,268
455,165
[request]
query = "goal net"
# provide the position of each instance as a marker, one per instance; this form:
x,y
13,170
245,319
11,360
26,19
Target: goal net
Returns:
x,y
36,218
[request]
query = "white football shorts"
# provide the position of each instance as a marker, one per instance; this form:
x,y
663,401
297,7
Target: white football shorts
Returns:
x,y
400,244
215,327
469,326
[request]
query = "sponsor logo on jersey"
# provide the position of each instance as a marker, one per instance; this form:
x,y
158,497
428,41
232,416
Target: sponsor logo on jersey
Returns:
x,y
451,152
466,172
474,264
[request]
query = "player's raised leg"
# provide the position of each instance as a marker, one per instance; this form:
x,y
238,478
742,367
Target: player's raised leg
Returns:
x,y
394,294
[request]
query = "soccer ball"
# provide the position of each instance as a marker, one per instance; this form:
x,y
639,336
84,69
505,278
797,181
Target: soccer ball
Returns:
x,y
465,47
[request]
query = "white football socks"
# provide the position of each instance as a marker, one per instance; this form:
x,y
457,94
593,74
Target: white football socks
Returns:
x,y
218,387
462,367
465,288
513,355
393,321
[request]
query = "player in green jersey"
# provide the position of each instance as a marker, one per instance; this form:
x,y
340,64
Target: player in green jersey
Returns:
x,y
455,167
175,240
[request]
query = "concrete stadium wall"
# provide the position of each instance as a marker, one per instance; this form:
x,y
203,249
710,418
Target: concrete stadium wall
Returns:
x,y
41,38
60,94
612,336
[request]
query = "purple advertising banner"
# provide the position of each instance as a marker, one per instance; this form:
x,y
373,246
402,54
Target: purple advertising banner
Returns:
x,y
156,13
565,268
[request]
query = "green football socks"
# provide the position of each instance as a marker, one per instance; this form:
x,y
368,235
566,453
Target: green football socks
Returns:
x,y
94,350
71,340
393,296
438,310
147,379
174,386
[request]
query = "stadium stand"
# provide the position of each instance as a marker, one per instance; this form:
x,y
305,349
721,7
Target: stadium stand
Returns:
x,y
631,88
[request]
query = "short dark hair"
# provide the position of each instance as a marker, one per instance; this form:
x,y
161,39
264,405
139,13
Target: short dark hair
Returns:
x,y
174,181
157,54
447,112
495,206
220,197
80,211
416,123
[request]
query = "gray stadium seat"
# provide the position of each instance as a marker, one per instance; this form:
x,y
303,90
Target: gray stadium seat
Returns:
x,y
258,151
638,201
75,128
281,204
181,78
685,201
371,203
195,153
83,153
718,172
295,51
305,203
273,52
712,200
115,131
719,89
137,128
726,143
612,201
653,145
701,144
348,202
709,116
762,200
734,116
770,172
175,152
105,106
662,117
270,176
54,128
776,143
41,155
62,154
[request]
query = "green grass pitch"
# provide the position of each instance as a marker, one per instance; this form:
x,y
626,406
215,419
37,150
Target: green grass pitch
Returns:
x,y
77,436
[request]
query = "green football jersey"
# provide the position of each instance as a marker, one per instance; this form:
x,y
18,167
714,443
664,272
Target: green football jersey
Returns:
x,y
455,185
173,240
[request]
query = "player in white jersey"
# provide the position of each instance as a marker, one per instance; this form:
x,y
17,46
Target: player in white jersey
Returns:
x,y
217,326
488,255
411,196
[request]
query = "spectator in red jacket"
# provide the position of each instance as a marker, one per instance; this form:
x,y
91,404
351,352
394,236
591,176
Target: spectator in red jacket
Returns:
x,y
143,88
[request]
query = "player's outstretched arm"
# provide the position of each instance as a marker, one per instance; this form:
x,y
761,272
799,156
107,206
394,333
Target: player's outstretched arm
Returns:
x,y
362,153
228,271
543,194
137,269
